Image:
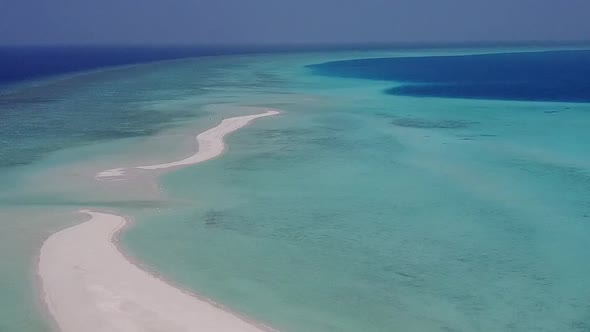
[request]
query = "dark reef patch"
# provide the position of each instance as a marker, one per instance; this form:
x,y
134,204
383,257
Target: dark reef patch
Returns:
x,y
213,217
431,124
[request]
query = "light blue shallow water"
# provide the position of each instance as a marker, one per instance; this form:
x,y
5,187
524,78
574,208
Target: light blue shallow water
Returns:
x,y
339,221
360,211
366,212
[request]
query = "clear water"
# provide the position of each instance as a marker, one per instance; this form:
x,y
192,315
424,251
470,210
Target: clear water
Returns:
x,y
353,211
365,212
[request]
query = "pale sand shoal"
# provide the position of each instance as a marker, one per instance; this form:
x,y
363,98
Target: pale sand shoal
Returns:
x,y
210,145
90,286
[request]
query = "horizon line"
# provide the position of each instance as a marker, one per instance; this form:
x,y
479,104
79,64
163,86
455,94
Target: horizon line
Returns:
x,y
466,43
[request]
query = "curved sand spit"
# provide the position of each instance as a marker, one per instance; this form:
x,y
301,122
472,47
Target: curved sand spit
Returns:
x,y
210,143
90,286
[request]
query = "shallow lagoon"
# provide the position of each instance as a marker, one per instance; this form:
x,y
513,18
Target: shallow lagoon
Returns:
x,y
359,210
354,210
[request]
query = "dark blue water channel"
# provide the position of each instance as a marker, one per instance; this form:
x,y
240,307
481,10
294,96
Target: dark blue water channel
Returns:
x,y
533,76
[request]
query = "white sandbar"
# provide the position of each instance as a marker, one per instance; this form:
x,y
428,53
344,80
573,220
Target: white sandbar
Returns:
x,y
210,145
90,286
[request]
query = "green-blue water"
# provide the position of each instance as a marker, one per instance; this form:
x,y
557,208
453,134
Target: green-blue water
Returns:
x,y
352,211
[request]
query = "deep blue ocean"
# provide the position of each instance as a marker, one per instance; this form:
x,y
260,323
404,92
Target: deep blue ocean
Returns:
x,y
532,76
24,63
21,63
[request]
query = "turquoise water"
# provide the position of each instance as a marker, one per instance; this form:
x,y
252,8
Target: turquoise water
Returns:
x,y
366,212
354,210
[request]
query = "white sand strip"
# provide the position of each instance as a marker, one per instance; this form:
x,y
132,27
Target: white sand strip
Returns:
x,y
90,286
210,144
111,173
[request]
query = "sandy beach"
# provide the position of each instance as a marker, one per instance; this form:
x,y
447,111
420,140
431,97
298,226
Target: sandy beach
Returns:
x,y
89,285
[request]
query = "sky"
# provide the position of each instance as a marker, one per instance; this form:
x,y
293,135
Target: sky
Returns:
x,y
290,21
